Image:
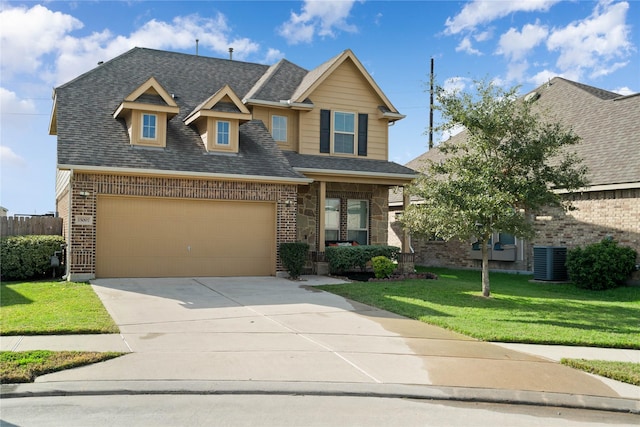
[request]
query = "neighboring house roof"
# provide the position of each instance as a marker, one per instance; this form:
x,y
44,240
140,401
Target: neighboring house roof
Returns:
x,y
89,138
607,123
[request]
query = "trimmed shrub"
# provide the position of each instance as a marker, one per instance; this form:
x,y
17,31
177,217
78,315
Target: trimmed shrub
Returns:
x,y
293,257
27,257
600,266
349,258
383,267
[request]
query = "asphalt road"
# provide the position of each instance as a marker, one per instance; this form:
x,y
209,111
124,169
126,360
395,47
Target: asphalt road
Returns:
x,y
289,410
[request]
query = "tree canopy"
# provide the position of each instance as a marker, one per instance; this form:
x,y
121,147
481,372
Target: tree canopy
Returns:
x,y
506,163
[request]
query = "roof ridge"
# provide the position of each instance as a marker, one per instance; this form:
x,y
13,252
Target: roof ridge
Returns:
x,y
264,79
592,90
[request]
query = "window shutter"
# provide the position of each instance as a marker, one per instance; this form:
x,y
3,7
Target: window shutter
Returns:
x,y
363,122
325,131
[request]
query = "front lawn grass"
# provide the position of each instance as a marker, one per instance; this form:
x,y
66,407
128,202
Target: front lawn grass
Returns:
x,y
627,372
51,308
25,366
517,311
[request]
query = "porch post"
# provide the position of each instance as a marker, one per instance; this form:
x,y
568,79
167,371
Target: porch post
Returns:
x,y
406,260
406,237
322,196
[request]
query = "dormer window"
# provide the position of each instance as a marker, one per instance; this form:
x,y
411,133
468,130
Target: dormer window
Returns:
x,y
146,112
222,135
149,126
217,120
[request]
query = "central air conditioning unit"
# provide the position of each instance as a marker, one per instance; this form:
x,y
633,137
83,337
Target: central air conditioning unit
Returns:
x,y
549,263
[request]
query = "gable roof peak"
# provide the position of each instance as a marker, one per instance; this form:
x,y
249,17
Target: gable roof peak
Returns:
x,y
592,90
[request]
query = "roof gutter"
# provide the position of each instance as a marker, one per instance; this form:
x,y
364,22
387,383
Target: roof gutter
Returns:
x,y
356,173
604,187
280,104
203,175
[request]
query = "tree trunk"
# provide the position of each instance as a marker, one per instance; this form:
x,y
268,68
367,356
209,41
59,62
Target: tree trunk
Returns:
x,y
486,287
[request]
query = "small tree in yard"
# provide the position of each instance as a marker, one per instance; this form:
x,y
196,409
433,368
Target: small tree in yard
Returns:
x,y
506,163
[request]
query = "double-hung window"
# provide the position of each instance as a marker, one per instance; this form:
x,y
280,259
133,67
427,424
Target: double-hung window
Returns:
x,y
332,219
279,128
222,132
358,221
149,126
344,132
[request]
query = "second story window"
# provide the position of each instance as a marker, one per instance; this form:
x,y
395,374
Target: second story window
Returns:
x,y
149,126
222,133
279,128
344,132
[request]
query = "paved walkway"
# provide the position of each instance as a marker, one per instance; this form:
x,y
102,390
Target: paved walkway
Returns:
x,y
269,333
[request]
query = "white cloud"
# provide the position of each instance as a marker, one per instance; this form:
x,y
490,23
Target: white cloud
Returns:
x,y
516,45
483,36
465,46
624,90
81,54
320,18
455,84
9,158
516,71
272,56
593,44
28,34
483,11
10,103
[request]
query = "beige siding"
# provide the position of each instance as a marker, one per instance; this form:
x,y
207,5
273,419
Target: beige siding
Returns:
x,y
265,114
345,90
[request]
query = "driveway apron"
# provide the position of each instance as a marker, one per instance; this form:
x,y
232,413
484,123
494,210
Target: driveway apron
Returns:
x,y
273,329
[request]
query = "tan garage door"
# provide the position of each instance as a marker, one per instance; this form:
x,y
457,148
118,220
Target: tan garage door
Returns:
x,y
150,237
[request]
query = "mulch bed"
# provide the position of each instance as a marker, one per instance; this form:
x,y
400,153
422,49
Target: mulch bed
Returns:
x,y
368,276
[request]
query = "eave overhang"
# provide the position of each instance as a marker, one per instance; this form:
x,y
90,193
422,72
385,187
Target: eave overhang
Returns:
x,y
359,177
131,105
305,106
184,174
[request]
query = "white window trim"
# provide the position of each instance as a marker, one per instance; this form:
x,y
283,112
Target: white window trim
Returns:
x,y
217,133
155,127
273,128
334,132
325,223
366,228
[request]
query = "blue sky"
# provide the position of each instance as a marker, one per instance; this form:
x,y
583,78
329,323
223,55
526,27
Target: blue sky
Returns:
x,y
45,44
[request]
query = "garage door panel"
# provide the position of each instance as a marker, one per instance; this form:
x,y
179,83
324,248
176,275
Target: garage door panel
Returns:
x,y
146,237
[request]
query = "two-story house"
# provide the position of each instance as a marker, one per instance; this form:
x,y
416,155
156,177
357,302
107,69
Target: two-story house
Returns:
x,y
181,165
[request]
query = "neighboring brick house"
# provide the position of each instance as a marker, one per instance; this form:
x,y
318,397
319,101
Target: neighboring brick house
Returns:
x,y
609,126
179,165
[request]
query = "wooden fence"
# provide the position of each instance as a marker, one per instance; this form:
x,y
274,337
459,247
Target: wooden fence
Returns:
x,y
22,226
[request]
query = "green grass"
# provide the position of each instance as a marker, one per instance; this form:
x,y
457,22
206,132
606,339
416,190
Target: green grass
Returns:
x,y
517,311
49,307
627,372
25,366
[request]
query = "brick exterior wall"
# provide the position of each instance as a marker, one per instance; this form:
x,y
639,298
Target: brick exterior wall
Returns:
x,y
308,227
86,188
598,214
62,209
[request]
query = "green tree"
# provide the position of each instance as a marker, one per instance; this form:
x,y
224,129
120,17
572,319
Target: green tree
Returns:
x,y
506,163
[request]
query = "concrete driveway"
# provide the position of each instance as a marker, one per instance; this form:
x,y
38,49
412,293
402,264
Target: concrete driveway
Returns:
x,y
276,330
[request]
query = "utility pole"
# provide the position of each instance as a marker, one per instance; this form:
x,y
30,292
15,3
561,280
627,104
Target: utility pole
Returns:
x,y
431,78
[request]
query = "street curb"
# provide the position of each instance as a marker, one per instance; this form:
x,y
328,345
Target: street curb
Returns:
x,y
404,391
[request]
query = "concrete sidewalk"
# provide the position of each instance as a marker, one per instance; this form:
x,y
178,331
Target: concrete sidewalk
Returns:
x,y
273,331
